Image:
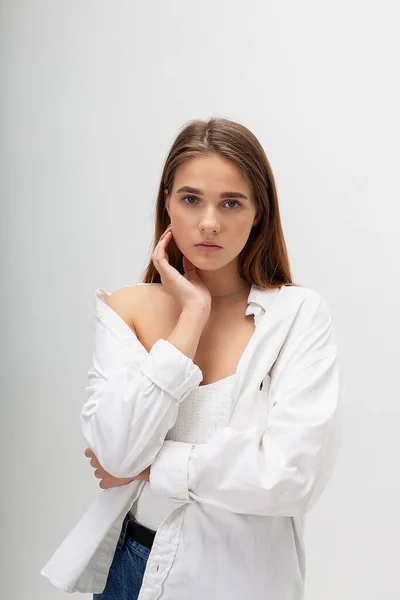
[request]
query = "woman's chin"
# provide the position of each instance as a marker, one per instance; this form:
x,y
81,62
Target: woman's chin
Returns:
x,y
202,265
203,262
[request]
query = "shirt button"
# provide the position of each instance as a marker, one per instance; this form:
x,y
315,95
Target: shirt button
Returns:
x,y
100,314
128,342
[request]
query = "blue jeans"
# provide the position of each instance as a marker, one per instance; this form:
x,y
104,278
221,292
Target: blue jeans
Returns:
x,y
127,569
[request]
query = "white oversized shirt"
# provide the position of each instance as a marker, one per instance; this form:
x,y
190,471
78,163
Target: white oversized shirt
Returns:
x,y
237,527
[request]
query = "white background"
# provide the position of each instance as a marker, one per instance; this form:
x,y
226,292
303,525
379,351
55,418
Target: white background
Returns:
x,y
92,95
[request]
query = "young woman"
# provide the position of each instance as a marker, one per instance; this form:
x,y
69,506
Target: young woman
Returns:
x,y
212,401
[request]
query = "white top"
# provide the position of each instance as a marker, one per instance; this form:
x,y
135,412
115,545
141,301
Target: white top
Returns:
x,y
194,424
236,530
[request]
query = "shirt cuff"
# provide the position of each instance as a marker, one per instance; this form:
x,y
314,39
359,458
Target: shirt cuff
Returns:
x,y
171,370
169,471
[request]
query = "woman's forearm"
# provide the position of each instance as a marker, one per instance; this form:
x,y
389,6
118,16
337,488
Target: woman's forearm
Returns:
x,y
187,332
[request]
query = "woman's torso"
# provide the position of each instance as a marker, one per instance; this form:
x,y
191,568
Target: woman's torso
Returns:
x,y
220,347
155,313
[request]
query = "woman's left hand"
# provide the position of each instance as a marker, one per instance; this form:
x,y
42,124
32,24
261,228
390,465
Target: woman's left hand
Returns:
x,y
108,480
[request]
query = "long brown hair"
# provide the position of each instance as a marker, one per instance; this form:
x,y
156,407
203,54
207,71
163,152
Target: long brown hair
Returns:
x,y
264,259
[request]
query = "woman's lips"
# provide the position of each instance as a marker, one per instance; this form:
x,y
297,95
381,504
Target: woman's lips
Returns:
x,y
208,248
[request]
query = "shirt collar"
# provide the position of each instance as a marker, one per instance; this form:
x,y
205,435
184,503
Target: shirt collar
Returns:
x,y
259,300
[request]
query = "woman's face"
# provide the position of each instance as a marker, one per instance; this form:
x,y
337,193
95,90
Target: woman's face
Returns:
x,y
206,215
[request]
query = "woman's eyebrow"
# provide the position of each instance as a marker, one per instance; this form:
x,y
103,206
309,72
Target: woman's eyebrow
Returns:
x,y
192,190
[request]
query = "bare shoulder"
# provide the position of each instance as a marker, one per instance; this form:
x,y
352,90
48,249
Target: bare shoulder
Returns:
x,y
131,302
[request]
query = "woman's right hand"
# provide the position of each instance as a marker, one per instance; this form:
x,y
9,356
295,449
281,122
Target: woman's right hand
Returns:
x,y
188,290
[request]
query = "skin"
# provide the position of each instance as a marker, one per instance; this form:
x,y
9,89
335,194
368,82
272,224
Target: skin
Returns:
x,y
196,218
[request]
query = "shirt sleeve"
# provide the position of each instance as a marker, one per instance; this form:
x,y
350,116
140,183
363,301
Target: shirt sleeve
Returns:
x,y
133,396
281,467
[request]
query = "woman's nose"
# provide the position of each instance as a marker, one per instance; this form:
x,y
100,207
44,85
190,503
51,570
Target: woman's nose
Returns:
x,y
209,227
209,223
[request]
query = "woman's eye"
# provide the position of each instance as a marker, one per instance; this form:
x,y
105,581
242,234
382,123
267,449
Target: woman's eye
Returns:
x,y
191,203
188,197
233,201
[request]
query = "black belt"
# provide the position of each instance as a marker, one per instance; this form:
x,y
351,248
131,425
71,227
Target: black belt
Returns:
x,y
140,533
